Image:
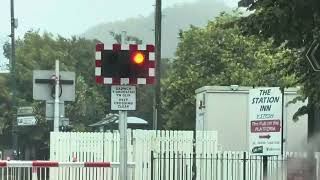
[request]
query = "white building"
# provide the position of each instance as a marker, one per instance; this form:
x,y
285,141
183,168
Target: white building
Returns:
x,y
225,109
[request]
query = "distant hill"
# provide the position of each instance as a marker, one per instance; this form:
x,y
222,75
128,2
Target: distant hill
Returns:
x,y
175,18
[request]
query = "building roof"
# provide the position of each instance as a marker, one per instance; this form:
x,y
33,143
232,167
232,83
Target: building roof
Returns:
x,y
114,119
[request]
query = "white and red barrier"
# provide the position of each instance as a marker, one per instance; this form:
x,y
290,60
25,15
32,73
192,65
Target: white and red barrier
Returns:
x,y
41,170
48,164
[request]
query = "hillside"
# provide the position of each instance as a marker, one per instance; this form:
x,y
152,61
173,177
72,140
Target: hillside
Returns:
x,y
175,18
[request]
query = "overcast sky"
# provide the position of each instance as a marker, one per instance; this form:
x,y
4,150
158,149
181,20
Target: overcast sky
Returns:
x,y
72,17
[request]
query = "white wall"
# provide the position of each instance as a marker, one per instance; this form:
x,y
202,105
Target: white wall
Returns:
x,y
297,132
226,111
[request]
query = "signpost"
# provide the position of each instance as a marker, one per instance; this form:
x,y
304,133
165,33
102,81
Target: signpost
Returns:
x,y
44,85
123,98
22,111
265,119
27,121
50,110
265,123
54,86
121,66
25,116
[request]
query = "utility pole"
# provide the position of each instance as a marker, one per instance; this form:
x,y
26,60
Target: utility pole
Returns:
x,y
13,83
157,92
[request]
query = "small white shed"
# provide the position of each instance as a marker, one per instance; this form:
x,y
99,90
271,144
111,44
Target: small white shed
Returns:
x,y
225,109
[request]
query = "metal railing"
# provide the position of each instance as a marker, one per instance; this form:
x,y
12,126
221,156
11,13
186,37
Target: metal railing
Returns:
x,y
232,166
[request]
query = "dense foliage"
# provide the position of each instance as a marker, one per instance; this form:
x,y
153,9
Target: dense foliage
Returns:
x,y
294,24
219,54
39,52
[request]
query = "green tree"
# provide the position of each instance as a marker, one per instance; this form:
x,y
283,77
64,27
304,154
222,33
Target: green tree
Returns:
x,y
294,24
293,21
219,54
5,104
89,106
38,52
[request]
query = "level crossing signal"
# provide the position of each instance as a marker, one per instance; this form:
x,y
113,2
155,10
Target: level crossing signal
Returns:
x,y
130,64
124,64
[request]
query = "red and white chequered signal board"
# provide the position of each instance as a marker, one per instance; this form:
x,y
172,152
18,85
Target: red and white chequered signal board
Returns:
x,y
150,60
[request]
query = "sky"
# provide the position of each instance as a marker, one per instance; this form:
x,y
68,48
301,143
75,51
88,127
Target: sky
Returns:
x,y
73,17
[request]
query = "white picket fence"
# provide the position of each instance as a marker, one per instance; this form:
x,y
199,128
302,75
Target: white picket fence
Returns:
x,y
105,147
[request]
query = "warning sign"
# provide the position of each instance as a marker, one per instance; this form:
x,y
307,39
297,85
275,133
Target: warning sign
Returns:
x,y
265,121
123,98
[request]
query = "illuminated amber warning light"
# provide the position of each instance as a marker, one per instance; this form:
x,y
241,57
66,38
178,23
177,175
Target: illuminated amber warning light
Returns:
x,y
138,57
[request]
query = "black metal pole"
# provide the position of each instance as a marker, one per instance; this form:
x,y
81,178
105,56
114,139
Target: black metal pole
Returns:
x,y
13,84
194,156
244,165
265,167
282,123
157,97
152,165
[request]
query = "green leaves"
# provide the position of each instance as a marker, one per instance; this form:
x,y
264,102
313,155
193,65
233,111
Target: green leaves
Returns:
x,y
38,52
219,54
89,106
295,22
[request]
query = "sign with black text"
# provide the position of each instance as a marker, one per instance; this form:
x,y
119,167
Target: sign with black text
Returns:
x,y
265,120
23,111
123,98
27,121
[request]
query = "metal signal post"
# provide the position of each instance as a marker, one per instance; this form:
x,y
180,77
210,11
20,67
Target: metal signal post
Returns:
x,y
123,133
123,67
123,145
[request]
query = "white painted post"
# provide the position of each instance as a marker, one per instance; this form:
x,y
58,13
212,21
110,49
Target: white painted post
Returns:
x,y
123,145
123,133
56,99
34,173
